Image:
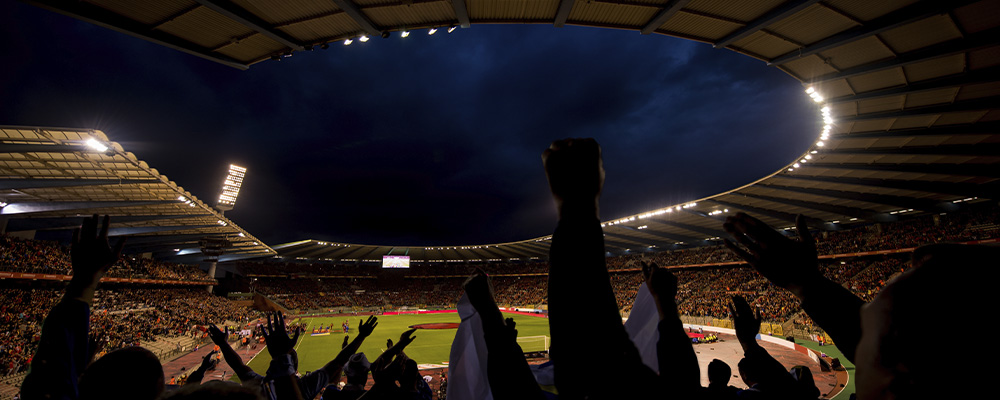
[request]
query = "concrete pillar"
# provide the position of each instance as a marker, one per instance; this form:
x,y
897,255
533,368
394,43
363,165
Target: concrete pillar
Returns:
x,y
211,273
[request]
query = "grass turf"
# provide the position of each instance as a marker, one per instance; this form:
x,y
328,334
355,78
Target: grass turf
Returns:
x,y
431,346
834,352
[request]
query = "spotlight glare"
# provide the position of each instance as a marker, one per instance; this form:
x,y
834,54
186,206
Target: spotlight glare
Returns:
x,y
452,29
94,144
432,31
363,39
347,42
404,34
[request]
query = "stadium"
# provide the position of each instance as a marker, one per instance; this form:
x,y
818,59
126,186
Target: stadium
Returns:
x,y
904,153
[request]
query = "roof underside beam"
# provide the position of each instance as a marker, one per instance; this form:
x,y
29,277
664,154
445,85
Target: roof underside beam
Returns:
x,y
982,128
705,231
955,46
778,13
249,20
980,149
7,184
829,208
668,11
952,188
900,17
898,201
359,16
461,13
635,241
673,237
137,241
141,230
987,170
40,207
967,105
523,250
101,17
44,148
33,224
967,78
779,215
643,240
565,7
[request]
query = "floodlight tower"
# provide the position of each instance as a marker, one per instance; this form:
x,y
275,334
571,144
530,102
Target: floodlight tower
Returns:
x,y
212,248
231,188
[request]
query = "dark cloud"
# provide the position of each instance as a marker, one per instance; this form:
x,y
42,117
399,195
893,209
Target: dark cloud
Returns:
x,y
423,140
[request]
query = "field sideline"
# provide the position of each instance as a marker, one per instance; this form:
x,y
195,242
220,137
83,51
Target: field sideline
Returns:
x,y
431,346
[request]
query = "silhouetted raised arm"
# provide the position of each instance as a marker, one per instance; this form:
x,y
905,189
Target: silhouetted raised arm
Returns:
x,y
582,305
63,348
793,265
220,338
336,366
508,372
675,355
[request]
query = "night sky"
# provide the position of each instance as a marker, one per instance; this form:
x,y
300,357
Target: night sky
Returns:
x,y
427,140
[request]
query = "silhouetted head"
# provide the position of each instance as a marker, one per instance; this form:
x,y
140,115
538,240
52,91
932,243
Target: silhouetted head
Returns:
x,y
357,369
903,352
213,390
748,372
719,373
132,372
806,384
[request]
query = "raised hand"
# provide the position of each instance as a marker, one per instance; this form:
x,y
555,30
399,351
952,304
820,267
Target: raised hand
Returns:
x,y
479,289
388,343
661,282
90,252
745,320
785,262
219,337
207,362
344,345
405,339
276,336
576,174
366,328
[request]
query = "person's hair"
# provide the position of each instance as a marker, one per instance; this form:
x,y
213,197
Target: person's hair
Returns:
x,y
132,372
719,372
747,371
213,390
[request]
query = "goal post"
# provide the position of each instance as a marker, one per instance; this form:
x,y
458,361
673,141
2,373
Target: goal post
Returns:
x,y
533,343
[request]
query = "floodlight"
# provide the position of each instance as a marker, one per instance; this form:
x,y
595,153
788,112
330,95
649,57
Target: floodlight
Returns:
x,y
452,28
432,31
231,187
363,39
404,34
347,42
94,144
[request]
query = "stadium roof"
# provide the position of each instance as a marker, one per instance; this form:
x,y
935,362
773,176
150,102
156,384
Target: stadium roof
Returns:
x,y
910,89
50,178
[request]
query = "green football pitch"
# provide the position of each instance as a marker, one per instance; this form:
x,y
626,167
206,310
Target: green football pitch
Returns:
x,y
431,346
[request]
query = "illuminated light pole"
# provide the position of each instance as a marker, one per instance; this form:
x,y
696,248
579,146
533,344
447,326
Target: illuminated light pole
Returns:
x,y
213,248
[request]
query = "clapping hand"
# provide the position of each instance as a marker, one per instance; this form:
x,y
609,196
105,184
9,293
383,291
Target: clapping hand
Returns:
x,y
219,337
207,361
785,262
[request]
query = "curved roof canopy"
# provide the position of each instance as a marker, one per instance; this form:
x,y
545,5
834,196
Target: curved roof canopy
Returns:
x,y
906,93
51,178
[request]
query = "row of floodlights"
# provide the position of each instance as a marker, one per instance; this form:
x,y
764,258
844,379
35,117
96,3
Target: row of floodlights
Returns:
x,y
186,200
827,127
965,199
649,214
363,39
717,212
